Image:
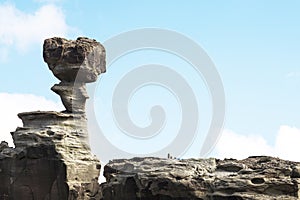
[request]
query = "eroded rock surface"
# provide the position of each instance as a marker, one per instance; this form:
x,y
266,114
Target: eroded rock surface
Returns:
x,y
52,159
155,179
74,63
66,58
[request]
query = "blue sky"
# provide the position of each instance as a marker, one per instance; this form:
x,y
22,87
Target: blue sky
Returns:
x,y
255,46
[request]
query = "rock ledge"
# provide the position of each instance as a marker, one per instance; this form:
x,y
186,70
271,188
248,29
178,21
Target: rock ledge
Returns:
x,y
258,178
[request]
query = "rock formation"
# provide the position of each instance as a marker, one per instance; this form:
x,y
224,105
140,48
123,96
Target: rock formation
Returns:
x,y
52,158
74,63
260,178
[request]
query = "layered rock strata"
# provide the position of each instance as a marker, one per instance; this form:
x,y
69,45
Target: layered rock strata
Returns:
x,y
254,178
52,158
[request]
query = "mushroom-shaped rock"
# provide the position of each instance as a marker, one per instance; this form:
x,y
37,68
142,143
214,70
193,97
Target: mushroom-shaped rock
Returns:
x,y
74,63
81,60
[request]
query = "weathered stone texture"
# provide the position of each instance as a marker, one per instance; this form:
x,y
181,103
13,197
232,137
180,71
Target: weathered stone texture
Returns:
x,y
154,178
74,63
52,158
66,58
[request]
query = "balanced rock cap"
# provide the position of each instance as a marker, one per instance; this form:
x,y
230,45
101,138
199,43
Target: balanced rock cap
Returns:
x,y
80,60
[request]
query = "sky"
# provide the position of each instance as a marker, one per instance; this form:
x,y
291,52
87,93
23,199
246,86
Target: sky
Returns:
x,y
254,45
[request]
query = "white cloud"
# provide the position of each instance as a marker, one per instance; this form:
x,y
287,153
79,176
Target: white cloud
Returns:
x,y
233,145
12,104
288,143
22,30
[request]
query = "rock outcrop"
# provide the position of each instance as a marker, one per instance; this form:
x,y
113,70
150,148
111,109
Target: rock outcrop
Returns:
x,y
261,178
52,158
66,57
74,63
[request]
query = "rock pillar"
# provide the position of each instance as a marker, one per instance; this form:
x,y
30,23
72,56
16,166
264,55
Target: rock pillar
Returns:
x,y
52,159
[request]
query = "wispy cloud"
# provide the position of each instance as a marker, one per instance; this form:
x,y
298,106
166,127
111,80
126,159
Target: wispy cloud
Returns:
x,y
23,30
234,145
